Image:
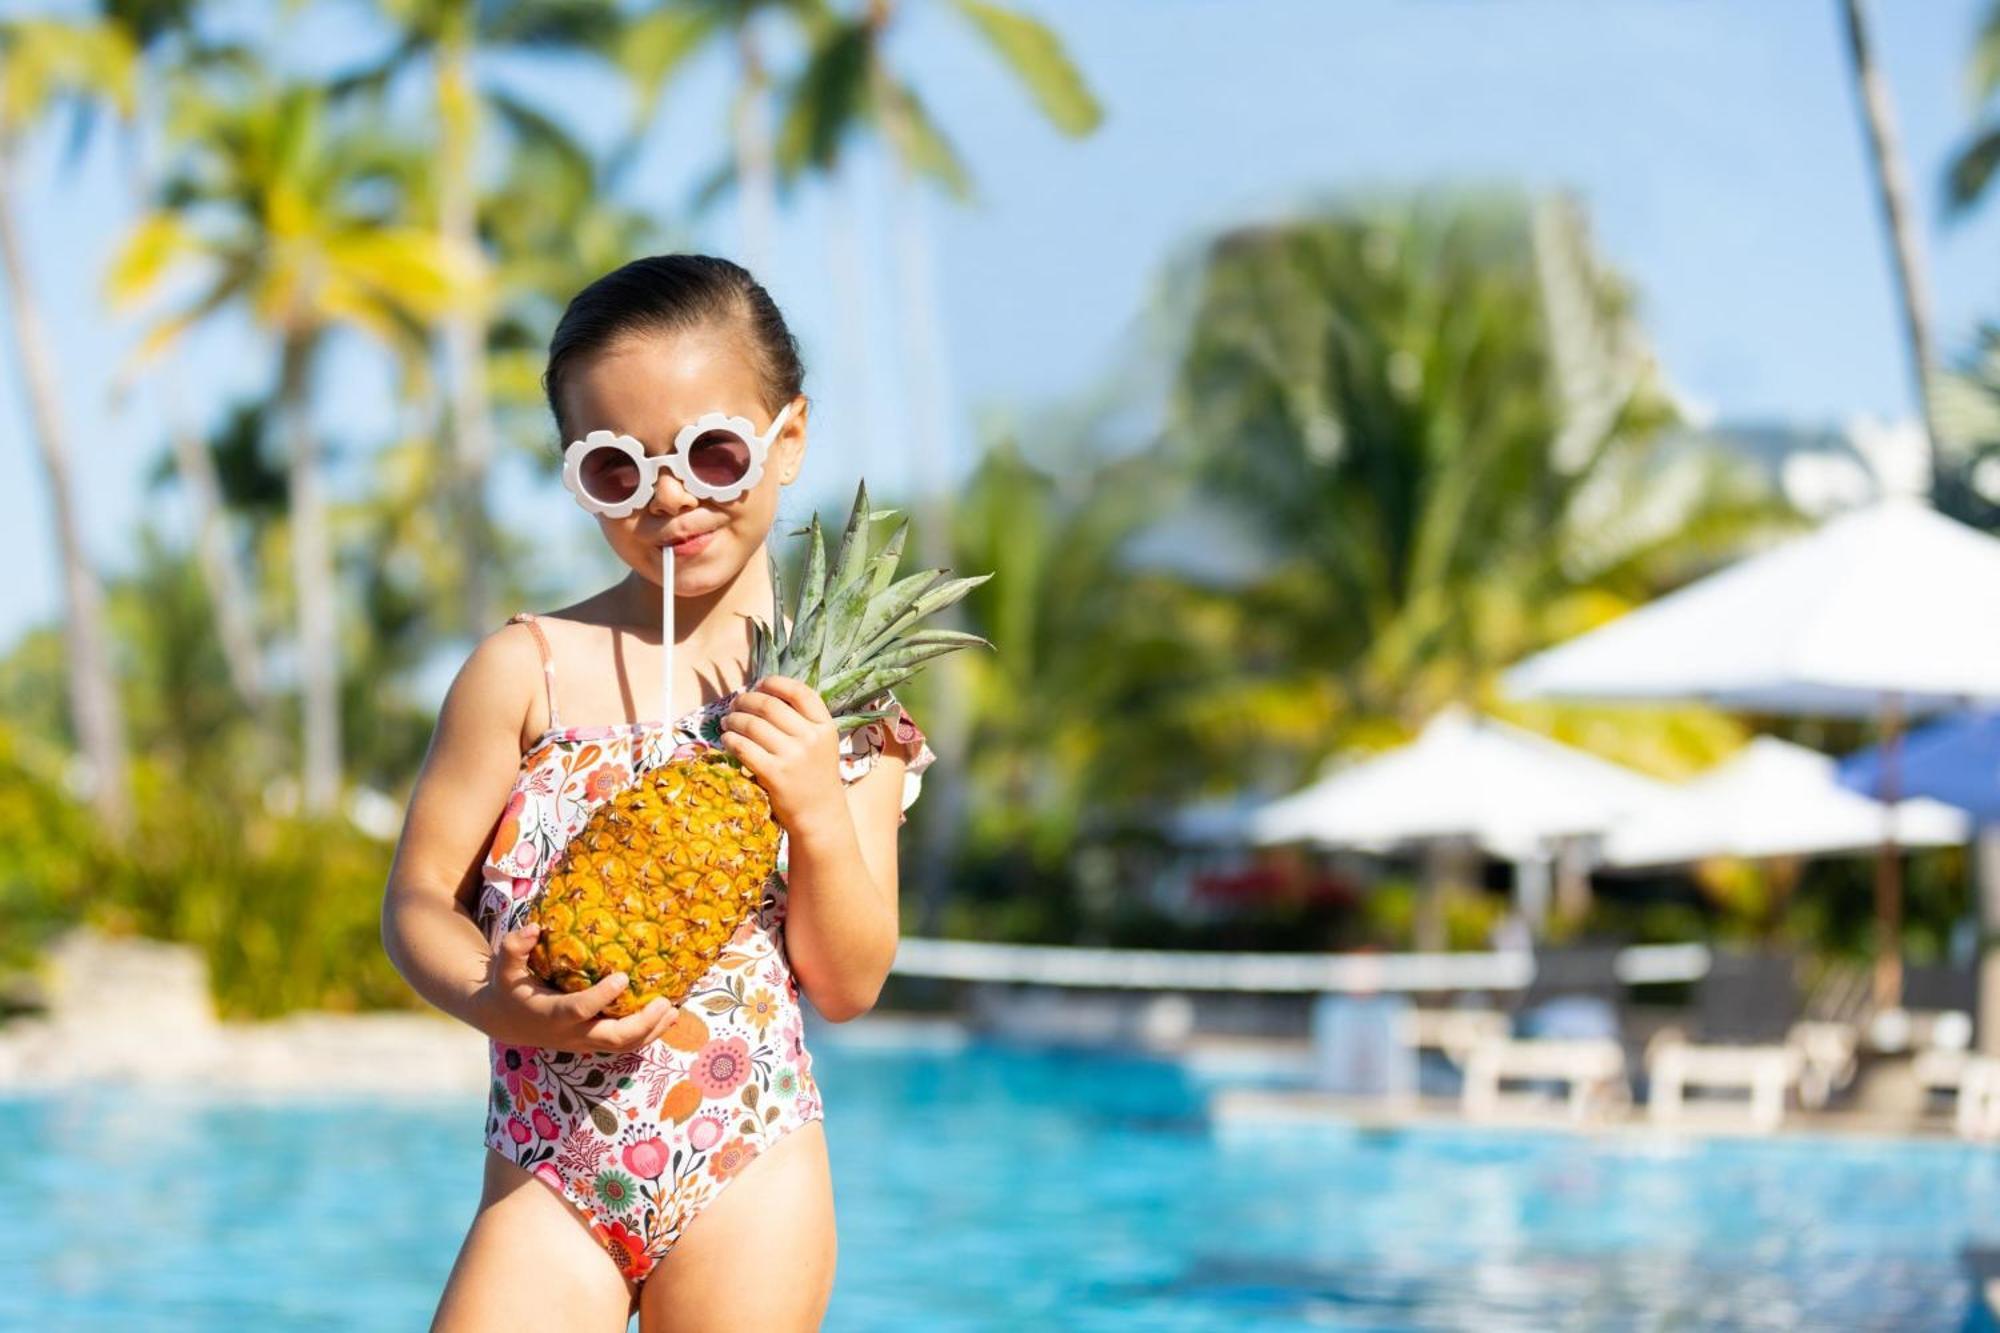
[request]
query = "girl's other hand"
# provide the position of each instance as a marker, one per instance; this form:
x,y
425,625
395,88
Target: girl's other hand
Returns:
x,y
516,1006
782,730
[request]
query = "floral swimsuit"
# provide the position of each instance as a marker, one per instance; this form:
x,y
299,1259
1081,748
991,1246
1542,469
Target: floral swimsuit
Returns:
x,y
640,1142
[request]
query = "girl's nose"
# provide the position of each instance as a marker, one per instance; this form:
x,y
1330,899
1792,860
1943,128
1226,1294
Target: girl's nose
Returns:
x,y
669,496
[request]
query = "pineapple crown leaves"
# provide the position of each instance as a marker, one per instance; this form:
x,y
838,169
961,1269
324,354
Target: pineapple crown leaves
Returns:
x,y
854,633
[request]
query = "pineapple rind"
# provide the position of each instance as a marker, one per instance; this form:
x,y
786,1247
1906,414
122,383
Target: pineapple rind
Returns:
x,y
656,881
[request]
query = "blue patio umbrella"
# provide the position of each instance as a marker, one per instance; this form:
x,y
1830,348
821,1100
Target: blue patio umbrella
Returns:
x,y
1954,759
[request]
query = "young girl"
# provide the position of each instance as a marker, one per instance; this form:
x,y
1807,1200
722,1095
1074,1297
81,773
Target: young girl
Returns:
x,y
672,1161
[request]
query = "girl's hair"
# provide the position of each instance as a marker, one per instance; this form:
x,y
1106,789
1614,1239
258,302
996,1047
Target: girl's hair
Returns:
x,y
674,294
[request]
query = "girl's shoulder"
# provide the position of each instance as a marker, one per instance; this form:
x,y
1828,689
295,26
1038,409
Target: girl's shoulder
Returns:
x,y
504,678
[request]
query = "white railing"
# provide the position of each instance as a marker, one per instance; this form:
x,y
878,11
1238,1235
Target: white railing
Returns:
x,y
1188,969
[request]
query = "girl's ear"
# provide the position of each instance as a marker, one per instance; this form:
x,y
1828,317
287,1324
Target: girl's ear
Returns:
x,y
790,446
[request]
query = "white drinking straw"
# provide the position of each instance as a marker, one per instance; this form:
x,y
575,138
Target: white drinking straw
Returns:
x,y
667,633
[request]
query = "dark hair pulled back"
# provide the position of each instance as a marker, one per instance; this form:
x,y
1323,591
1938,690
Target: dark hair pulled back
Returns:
x,y
676,293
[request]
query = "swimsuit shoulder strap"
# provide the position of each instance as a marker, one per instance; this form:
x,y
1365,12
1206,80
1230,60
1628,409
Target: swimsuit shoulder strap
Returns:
x,y
548,663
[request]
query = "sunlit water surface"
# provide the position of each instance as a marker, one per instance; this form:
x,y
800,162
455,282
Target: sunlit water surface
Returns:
x,y
994,1188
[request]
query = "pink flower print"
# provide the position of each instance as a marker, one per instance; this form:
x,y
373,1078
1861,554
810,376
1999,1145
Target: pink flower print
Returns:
x,y
516,1066
604,782
646,1159
518,1130
547,1173
721,1066
522,887
705,1132
687,750
545,1125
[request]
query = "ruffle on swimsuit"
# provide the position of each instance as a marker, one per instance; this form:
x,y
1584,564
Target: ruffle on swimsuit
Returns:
x,y
640,1142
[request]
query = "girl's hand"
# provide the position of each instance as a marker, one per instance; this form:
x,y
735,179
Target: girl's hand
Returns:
x,y
516,1006
783,732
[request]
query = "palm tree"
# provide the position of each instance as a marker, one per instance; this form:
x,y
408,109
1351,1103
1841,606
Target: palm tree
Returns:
x,y
283,213
850,85
1973,167
1435,413
163,34
1892,187
444,39
553,226
45,62
653,50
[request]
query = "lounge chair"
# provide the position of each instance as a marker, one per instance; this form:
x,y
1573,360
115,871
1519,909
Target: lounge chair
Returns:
x,y
1977,1115
1453,1032
1592,1069
1750,1035
1941,1046
1561,1034
1766,1072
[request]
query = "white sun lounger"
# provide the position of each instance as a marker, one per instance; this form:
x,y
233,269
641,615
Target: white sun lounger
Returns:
x,y
1593,1070
1978,1113
1766,1072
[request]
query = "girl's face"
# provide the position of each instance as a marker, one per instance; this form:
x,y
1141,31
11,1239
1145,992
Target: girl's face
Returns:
x,y
649,387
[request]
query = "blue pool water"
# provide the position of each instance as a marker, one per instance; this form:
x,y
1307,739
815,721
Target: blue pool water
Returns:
x,y
989,1188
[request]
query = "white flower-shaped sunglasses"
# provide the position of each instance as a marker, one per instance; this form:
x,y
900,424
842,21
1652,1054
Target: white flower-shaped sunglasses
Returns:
x,y
716,457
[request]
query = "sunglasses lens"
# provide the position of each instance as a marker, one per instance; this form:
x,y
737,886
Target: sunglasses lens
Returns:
x,y
609,476
719,457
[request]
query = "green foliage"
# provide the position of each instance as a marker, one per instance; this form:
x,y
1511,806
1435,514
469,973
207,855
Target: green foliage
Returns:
x,y
287,911
52,859
1383,389
1376,387
1469,917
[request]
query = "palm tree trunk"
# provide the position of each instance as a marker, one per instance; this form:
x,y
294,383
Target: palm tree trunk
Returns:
x,y
848,272
756,180
1892,186
465,332
231,600
93,693
312,580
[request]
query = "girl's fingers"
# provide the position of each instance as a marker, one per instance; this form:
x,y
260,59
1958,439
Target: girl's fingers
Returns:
x,y
805,700
755,729
667,1017
627,1033
763,717
752,754
515,946
585,1004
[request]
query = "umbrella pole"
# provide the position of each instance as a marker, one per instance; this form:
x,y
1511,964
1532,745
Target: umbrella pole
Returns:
x,y
1888,862
1986,868
1428,930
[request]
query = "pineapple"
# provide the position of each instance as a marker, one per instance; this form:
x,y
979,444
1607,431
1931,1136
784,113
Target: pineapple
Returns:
x,y
660,876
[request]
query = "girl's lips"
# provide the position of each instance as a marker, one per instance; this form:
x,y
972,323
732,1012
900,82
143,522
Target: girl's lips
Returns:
x,y
693,544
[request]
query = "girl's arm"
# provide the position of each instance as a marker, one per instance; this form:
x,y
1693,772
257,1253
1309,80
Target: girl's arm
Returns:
x,y
842,921
428,926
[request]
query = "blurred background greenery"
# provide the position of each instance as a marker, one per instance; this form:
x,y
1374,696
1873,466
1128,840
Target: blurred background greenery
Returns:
x,y
1407,438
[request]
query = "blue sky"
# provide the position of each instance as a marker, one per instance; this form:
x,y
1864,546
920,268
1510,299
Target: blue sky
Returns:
x,y
1714,141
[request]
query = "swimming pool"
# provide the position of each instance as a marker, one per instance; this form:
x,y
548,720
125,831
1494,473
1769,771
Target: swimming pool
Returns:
x,y
990,1188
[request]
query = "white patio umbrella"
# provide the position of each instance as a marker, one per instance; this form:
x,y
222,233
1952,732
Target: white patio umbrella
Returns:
x,y
1889,609
1894,599
1465,779
1771,799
